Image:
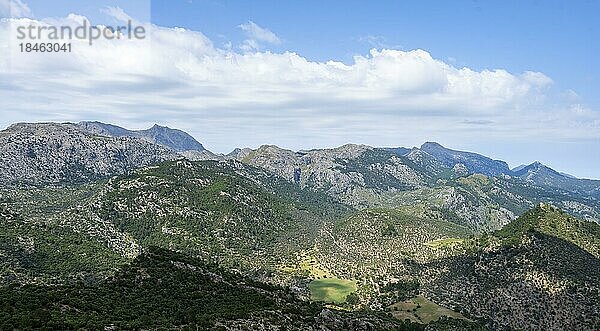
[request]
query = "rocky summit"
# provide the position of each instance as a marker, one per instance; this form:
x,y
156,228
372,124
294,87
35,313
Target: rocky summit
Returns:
x,y
173,139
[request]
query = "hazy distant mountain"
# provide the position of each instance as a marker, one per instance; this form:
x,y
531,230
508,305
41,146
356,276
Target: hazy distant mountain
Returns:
x,y
475,163
539,174
238,153
174,139
567,175
518,169
363,176
431,163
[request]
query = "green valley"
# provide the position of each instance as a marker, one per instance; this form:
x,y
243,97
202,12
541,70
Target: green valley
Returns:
x,y
350,238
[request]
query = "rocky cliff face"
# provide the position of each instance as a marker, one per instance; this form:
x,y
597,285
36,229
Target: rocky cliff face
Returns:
x,y
353,173
53,153
364,176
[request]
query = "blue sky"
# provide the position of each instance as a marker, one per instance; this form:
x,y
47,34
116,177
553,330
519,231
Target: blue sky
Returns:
x,y
557,39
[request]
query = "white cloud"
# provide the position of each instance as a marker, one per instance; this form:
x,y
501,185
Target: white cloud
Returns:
x,y
374,41
537,78
14,8
257,35
117,13
180,78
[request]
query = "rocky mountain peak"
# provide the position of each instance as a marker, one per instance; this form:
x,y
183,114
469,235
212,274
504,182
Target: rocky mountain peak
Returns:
x,y
474,162
173,139
431,144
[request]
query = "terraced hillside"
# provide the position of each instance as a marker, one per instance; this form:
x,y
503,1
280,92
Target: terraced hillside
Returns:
x,y
375,242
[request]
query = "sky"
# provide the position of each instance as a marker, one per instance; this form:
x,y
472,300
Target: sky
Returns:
x,y
513,80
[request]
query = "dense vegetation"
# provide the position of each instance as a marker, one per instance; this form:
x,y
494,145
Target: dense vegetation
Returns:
x,y
538,272
165,290
554,222
159,289
253,249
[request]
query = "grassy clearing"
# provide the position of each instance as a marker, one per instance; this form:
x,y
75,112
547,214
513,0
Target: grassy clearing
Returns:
x,y
331,289
313,267
324,286
421,310
445,243
309,266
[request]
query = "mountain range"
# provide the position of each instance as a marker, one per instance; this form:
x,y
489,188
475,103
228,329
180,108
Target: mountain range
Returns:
x,y
104,227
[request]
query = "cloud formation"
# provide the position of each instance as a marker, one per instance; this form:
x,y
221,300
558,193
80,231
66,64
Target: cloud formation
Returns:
x,y
179,77
117,13
14,8
257,35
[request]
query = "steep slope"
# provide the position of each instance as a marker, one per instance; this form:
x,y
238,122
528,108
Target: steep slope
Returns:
x,y
226,212
37,247
433,165
54,153
554,222
544,176
539,272
485,204
475,163
173,139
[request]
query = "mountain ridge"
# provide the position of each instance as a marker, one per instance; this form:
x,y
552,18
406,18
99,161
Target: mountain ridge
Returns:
x,y
174,139
63,152
359,175
274,231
